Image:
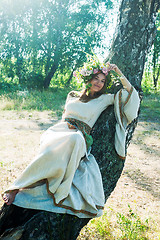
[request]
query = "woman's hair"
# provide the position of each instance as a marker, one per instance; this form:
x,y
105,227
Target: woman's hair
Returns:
x,y
87,97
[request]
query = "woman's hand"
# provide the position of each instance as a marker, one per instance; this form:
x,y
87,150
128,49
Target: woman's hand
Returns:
x,y
126,84
116,69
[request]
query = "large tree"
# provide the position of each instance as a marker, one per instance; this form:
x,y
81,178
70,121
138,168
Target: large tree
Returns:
x,y
133,37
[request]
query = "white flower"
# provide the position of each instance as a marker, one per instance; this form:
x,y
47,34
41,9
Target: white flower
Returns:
x,y
83,72
74,74
95,70
88,72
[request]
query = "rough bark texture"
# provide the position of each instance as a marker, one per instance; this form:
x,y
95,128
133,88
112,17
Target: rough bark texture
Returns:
x,y
134,36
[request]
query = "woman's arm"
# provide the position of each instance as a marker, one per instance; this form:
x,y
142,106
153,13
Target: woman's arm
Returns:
x,y
126,84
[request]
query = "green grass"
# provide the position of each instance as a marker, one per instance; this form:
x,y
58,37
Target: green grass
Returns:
x,y
51,99
125,226
150,107
132,227
54,98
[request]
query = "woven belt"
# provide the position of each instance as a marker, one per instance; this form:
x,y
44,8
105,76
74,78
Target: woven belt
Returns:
x,y
83,127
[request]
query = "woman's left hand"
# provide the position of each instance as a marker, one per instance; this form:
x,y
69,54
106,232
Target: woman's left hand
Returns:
x,y
116,69
126,84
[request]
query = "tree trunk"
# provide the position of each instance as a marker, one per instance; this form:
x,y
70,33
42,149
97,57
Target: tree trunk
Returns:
x,y
133,38
57,55
70,78
51,73
19,59
155,77
134,35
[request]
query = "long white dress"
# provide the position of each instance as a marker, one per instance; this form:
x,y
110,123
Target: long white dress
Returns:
x,y
60,179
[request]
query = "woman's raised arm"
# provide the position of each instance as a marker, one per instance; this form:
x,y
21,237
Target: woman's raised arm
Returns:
x,y
126,84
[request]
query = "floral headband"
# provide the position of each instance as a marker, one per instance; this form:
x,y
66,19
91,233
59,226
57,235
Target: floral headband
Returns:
x,y
91,67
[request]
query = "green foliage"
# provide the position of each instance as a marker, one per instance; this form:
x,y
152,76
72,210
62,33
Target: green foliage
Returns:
x,y
152,68
8,85
34,81
103,226
148,84
44,36
112,225
131,226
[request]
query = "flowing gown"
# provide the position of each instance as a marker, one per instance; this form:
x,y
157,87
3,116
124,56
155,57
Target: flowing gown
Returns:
x,y
64,177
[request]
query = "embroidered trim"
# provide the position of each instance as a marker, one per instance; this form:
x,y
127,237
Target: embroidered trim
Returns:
x,y
83,127
67,207
120,102
129,95
120,105
123,158
120,109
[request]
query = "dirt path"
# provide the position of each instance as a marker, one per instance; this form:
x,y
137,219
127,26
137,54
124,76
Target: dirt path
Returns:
x,y
139,185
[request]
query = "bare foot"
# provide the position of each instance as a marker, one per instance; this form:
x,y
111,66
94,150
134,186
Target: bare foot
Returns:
x,y
10,196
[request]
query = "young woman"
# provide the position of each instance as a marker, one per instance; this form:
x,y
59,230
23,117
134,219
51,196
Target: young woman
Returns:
x,y
65,177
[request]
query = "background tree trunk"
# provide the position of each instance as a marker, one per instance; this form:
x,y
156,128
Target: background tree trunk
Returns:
x,y
156,77
133,38
54,66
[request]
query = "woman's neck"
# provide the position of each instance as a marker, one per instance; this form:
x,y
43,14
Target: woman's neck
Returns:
x,y
91,94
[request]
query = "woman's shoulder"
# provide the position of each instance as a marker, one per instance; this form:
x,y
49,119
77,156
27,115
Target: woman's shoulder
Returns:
x,y
107,95
108,98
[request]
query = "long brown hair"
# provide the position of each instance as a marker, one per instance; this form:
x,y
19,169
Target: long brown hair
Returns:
x,y
87,97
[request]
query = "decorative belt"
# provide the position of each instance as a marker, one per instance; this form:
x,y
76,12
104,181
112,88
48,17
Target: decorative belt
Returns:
x,y
83,127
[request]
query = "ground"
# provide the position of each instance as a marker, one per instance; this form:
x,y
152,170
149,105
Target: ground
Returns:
x,y
139,185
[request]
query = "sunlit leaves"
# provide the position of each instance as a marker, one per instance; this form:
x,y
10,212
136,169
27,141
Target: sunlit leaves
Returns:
x,y
40,33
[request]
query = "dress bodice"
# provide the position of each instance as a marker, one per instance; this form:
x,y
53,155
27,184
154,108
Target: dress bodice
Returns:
x,y
87,112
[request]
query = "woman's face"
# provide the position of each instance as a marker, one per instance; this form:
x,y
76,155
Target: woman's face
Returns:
x,y
97,83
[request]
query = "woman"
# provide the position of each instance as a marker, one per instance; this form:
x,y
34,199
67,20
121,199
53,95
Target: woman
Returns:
x,y
65,177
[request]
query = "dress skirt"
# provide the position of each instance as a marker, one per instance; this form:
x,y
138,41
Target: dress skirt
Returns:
x,y
63,177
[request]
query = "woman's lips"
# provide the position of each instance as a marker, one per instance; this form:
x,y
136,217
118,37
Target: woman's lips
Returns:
x,y
97,86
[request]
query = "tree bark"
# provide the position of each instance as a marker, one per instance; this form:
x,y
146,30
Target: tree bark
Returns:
x,y
134,35
70,78
57,55
133,38
155,78
51,73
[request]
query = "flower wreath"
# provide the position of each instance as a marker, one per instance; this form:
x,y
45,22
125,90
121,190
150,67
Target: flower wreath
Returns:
x,y
91,67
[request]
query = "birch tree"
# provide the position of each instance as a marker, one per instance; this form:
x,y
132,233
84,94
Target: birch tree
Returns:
x,y
133,38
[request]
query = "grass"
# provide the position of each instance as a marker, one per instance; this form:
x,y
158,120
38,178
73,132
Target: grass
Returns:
x,y
52,99
124,226
132,227
150,107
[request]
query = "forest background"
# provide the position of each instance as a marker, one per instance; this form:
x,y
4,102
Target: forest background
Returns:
x,y
42,43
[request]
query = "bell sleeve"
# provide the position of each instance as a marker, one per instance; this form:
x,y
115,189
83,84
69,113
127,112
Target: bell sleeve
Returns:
x,y
126,105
